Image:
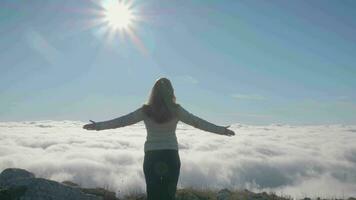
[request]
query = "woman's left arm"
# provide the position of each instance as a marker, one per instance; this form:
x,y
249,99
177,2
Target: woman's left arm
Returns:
x,y
129,119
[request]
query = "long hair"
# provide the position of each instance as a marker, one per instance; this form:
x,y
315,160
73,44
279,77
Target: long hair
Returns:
x,y
161,106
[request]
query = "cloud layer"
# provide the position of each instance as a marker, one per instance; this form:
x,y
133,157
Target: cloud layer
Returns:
x,y
295,160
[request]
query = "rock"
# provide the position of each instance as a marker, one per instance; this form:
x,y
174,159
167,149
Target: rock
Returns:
x,y
24,185
224,194
12,175
12,193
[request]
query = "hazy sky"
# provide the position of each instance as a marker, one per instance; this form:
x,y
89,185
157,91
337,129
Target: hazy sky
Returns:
x,y
249,61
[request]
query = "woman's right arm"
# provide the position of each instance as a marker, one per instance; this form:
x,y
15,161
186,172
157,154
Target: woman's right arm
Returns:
x,y
202,124
122,121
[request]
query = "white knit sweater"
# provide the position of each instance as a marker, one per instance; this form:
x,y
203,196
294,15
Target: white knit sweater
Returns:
x,y
161,136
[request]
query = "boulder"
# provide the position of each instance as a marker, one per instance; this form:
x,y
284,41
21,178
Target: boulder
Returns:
x,y
14,181
11,175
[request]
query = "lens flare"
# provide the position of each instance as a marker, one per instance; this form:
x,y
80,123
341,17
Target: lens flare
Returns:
x,y
118,15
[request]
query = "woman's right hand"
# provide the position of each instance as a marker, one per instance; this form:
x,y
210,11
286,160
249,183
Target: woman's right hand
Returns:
x,y
228,132
91,126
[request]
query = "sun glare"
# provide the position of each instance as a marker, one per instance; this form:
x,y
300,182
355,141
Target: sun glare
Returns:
x,y
118,19
118,15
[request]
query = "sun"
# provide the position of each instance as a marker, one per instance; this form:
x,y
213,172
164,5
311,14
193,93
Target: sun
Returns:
x,y
118,21
118,15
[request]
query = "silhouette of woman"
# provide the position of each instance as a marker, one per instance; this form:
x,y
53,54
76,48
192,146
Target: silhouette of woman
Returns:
x,y
161,114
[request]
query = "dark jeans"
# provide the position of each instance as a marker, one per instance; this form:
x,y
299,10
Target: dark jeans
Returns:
x,y
161,169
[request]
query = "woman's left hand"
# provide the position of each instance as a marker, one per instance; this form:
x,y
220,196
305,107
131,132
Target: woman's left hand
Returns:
x,y
92,126
229,132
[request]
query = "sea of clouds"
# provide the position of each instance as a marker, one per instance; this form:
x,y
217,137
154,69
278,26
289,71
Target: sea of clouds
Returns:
x,y
289,160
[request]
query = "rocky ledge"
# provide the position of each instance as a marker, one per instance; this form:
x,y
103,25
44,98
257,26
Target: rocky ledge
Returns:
x,y
19,184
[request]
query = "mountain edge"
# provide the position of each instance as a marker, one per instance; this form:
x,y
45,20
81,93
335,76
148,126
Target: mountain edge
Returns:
x,y
20,184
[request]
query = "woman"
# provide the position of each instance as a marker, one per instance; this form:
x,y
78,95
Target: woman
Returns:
x,y
161,114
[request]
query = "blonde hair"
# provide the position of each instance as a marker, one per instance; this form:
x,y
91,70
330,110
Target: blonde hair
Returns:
x,y
161,105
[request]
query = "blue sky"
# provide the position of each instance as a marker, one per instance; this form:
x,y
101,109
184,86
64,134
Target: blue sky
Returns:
x,y
246,61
